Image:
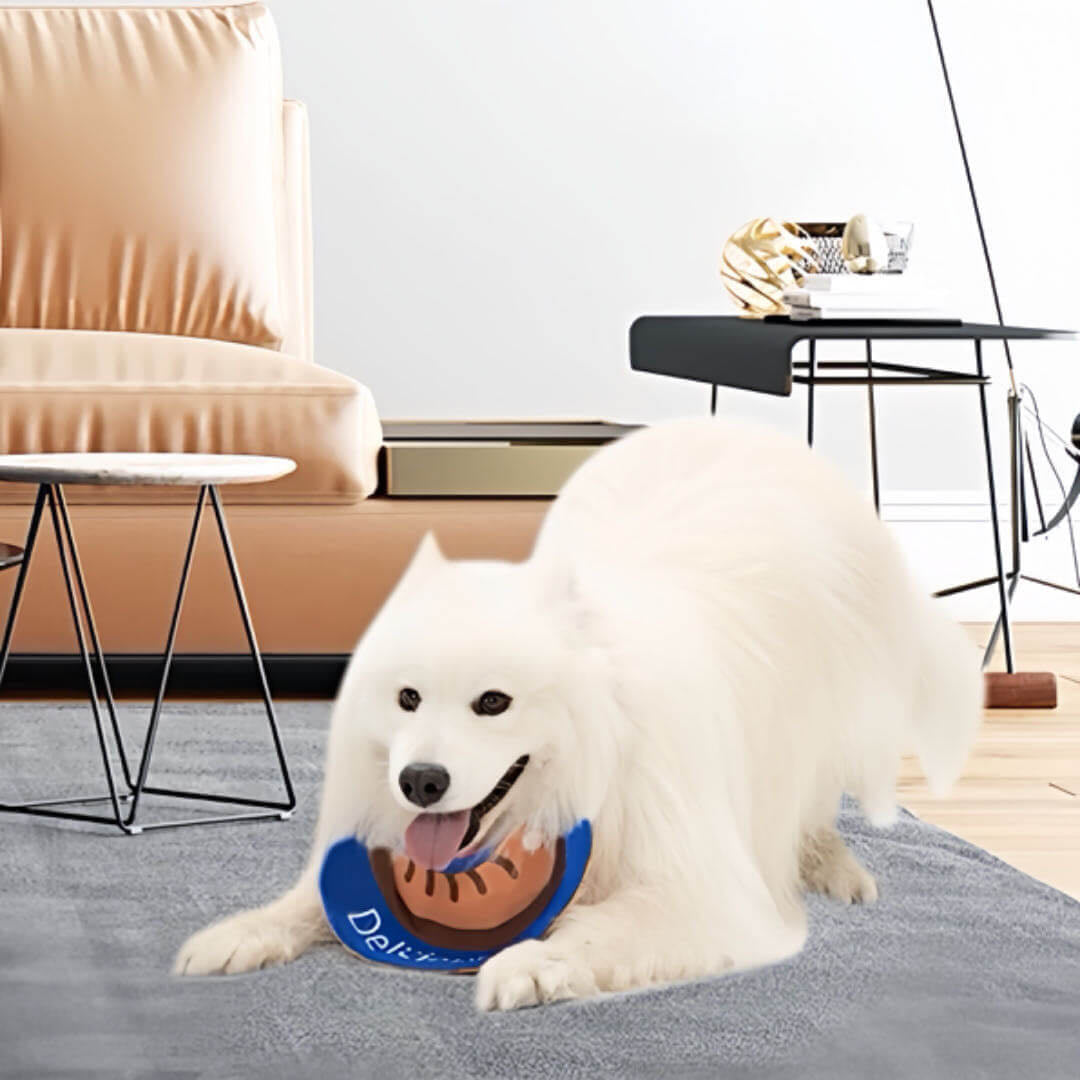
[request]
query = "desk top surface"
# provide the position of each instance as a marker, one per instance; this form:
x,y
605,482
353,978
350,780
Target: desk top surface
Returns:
x,y
859,329
755,354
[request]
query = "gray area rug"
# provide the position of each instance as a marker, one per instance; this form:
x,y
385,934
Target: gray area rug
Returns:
x,y
965,968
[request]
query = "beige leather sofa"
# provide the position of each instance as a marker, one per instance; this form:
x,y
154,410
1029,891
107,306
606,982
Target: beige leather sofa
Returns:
x,y
156,295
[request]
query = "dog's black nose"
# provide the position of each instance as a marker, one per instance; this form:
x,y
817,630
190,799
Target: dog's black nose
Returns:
x,y
422,783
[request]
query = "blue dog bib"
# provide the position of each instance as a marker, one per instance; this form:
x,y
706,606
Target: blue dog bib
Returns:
x,y
369,917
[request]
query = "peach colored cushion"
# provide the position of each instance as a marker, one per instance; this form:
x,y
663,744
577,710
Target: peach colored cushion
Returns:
x,y
140,171
76,391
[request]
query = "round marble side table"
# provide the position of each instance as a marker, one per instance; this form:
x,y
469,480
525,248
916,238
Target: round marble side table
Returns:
x,y
205,473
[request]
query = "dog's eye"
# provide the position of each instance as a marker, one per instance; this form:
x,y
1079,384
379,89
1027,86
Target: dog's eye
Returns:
x,y
491,703
409,699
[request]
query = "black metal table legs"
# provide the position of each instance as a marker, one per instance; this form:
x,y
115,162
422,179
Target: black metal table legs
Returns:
x,y
1006,582
872,416
51,495
125,791
1018,516
812,378
1005,588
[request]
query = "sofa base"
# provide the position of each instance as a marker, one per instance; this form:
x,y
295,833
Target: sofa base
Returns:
x,y
314,575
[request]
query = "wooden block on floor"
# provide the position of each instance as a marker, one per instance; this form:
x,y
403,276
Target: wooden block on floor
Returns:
x,y
1019,690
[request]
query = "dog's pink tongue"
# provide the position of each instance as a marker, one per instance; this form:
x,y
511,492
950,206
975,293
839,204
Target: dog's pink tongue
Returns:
x,y
432,840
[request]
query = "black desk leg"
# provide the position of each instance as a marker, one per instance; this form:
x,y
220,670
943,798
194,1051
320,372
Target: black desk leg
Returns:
x,y
712,401
873,424
1003,594
1016,502
811,371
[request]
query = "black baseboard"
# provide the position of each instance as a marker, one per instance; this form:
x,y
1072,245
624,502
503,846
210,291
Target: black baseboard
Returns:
x,y
313,675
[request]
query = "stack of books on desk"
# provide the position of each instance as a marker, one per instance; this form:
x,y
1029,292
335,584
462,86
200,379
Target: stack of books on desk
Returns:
x,y
861,296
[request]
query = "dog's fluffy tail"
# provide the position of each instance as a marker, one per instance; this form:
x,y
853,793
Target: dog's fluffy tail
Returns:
x,y
948,699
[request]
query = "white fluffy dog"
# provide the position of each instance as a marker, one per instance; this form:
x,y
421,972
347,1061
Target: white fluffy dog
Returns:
x,y
713,639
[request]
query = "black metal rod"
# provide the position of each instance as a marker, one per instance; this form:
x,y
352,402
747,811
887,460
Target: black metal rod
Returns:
x,y
970,180
166,665
100,819
95,707
249,630
879,365
712,401
1035,485
812,367
888,380
91,627
77,800
222,819
20,581
1016,479
236,800
64,815
872,413
1017,430
1051,584
1003,598
952,590
988,652
1025,513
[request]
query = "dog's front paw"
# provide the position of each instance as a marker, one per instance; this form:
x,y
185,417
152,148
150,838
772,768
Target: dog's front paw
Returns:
x,y
853,885
243,942
828,866
530,974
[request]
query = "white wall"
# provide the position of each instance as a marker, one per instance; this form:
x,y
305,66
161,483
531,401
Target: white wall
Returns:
x,y
501,187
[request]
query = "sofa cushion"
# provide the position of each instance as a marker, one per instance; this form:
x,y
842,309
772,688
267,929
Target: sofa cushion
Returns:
x,y
90,391
141,171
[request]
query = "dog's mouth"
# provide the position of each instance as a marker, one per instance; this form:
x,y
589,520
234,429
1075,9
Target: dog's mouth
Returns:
x,y
432,840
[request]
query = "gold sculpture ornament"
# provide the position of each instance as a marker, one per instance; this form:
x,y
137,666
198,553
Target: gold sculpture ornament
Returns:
x,y
761,260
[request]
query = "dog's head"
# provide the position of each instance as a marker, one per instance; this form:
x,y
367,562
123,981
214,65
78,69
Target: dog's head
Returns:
x,y
470,709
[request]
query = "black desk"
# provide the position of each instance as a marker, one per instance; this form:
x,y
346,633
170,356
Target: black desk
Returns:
x,y
755,354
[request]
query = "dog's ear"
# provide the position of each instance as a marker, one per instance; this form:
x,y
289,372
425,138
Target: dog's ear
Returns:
x,y
427,558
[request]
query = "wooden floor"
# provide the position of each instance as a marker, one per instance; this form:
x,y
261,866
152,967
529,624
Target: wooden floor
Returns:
x,y
1019,796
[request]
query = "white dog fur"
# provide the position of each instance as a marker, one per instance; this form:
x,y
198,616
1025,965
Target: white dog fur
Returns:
x,y
713,639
